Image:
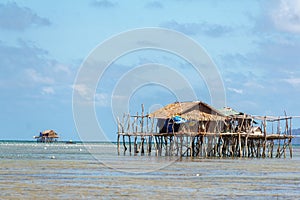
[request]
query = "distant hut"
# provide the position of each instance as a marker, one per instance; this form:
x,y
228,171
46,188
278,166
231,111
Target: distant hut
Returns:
x,y
47,136
193,116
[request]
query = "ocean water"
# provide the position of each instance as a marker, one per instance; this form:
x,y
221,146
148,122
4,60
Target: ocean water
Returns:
x,y
29,170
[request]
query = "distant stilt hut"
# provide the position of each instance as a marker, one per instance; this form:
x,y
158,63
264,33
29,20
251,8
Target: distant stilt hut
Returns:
x,y
47,136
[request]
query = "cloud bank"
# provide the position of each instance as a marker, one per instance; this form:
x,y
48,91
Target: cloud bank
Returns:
x,y
16,18
210,30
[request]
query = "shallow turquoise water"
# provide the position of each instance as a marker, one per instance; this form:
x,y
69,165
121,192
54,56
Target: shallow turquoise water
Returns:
x,y
94,171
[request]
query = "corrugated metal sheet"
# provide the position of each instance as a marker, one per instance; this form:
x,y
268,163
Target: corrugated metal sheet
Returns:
x,y
229,111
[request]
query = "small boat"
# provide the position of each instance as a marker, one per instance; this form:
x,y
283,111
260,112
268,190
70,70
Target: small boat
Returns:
x,y
70,142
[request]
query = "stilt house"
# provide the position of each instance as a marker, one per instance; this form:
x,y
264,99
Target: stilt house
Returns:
x,y
47,136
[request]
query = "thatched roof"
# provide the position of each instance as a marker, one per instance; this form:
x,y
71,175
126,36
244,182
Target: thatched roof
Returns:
x,y
50,133
195,110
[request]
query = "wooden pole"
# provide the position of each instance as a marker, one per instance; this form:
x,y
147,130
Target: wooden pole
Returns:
x,y
290,147
156,144
240,145
192,145
129,140
136,132
142,131
142,147
290,139
271,148
278,131
149,144
118,144
128,131
142,121
118,121
181,143
265,138
125,148
246,147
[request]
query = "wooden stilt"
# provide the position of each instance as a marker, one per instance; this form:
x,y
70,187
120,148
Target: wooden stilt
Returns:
x,y
142,145
135,145
271,148
240,145
118,143
181,144
149,144
124,144
129,140
265,138
291,148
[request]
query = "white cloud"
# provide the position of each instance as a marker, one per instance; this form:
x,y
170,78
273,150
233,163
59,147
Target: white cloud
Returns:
x,y
15,17
38,78
154,4
102,99
88,97
48,90
238,91
83,90
103,4
62,68
286,16
254,85
211,30
293,81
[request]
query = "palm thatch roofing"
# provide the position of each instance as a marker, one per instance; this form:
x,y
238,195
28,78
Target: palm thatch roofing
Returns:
x,y
49,134
196,110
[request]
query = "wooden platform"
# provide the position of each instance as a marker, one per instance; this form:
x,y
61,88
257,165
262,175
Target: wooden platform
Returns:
x,y
206,144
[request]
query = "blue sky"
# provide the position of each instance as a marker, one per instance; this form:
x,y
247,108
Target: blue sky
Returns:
x,y
254,44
